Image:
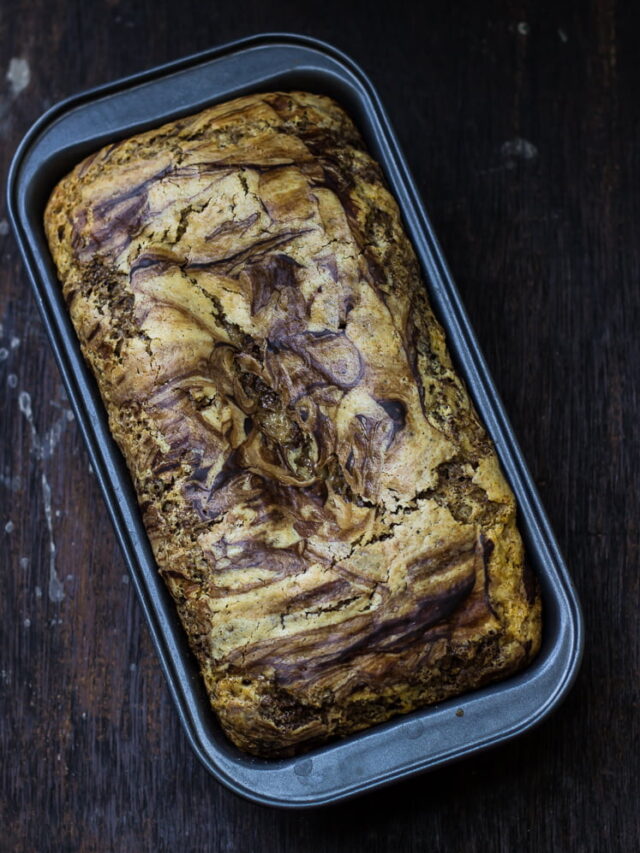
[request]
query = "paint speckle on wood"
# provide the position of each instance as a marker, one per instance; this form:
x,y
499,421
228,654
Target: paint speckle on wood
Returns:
x,y
18,75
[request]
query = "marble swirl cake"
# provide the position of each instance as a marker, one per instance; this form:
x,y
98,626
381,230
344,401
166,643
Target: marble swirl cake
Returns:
x,y
322,501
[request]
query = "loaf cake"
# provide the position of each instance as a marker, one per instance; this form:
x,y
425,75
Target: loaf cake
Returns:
x,y
322,501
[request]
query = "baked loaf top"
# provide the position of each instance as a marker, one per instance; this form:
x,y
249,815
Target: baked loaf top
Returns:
x,y
322,501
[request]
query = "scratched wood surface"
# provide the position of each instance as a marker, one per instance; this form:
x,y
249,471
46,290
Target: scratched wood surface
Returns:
x,y
520,121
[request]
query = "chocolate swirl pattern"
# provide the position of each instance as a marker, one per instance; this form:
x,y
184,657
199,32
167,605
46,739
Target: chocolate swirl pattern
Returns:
x,y
321,498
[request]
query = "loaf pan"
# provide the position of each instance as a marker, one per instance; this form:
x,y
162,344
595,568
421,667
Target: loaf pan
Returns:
x,y
404,746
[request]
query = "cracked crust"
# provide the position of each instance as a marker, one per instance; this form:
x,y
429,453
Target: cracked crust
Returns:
x,y
322,501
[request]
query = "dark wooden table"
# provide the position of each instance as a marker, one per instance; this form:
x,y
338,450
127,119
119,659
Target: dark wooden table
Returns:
x,y
521,122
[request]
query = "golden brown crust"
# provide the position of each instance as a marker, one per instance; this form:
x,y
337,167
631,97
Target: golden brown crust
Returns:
x,y
321,498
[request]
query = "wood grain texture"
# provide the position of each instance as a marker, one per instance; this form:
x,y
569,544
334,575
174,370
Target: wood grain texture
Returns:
x,y
520,123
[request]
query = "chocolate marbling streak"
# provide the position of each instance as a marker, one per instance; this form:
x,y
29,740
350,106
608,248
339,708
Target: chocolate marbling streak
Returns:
x,y
322,501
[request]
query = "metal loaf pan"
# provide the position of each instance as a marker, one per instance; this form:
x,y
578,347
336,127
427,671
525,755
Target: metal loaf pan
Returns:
x,y
406,745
